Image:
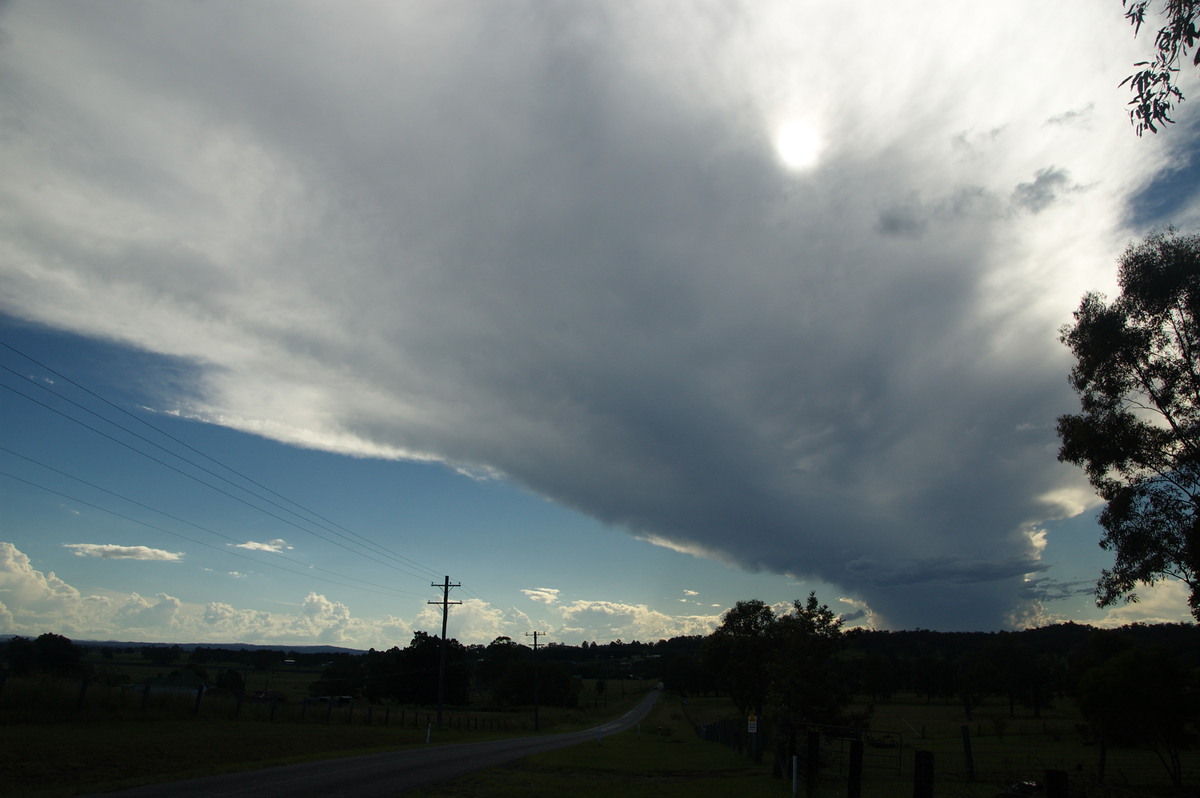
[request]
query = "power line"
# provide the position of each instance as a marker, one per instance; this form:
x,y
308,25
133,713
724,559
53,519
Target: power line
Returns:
x,y
400,562
165,514
181,536
403,563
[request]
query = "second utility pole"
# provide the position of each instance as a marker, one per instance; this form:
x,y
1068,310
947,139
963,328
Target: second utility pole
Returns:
x,y
536,679
445,602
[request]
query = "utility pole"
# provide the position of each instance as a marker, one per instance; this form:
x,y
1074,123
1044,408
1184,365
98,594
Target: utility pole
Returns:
x,y
536,678
445,602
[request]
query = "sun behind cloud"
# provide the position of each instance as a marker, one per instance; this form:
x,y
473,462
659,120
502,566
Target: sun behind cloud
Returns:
x,y
798,144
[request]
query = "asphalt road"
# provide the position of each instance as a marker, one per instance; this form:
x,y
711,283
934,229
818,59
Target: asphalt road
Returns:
x,y
385,774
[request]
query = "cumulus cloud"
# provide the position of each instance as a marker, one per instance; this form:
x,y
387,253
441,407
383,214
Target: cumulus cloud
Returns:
x,y
111,551
37,601
159,615
543,595
556,244
32,602
613,620
276,546
1162,602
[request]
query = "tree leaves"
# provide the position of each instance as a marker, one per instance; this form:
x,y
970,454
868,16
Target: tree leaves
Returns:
x,y
1154,87
1137,375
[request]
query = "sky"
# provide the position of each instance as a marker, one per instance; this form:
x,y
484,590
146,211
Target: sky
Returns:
x,y
611,314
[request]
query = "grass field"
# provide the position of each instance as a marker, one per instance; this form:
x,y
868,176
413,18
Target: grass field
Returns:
x,y
663,759
53,748
667,760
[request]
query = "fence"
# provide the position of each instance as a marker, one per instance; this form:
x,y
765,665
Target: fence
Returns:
x,y
1055,757
43,699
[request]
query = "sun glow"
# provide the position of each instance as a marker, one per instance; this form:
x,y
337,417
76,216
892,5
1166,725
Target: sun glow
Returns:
x,y
798,145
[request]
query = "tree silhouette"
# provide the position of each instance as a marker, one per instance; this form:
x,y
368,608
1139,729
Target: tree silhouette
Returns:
x,y
1137,375
1155,86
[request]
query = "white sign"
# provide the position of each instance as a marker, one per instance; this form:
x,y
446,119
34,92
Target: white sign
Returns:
x,y
752,725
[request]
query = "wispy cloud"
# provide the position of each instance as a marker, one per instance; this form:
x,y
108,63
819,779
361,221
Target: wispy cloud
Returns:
x,y
276,546
111,551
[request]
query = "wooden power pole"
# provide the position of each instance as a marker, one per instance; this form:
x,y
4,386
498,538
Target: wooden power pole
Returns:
x,y
536,677
445,602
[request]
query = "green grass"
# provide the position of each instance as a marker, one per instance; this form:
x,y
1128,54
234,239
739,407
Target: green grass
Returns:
x,y
67,759
51,749
663,760
1019,747
667,760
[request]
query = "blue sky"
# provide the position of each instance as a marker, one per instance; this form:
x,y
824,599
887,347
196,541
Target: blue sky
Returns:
x,y
614,314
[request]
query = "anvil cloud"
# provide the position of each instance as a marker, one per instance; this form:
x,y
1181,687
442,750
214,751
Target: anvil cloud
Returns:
x,y
557,244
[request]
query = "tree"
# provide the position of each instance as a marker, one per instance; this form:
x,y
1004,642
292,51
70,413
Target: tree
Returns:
x,y
497,658
162,655
554,685
21,656
1155,87
231,681
1137,375
737,652
805,684
1143,696
58,655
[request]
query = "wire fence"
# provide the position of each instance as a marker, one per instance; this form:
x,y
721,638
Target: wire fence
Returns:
x,y
43,699
1036,758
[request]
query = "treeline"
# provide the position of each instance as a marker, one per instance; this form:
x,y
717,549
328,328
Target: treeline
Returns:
x,y
503,673
799,662
804,663
1137,685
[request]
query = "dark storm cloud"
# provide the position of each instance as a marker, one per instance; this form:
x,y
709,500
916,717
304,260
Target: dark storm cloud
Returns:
x,y
1045,189
553,243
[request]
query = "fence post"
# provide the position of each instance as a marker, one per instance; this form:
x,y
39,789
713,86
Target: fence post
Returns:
x,y
968,756
387,713
83,686
145,695
1056,784
923,775
813,765
854,782
350,715
274,704
199,695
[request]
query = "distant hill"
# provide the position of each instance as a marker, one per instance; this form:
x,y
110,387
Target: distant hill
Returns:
x,y
230,646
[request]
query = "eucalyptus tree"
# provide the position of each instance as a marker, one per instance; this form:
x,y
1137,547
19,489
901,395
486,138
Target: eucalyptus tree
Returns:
x,y
1137,374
